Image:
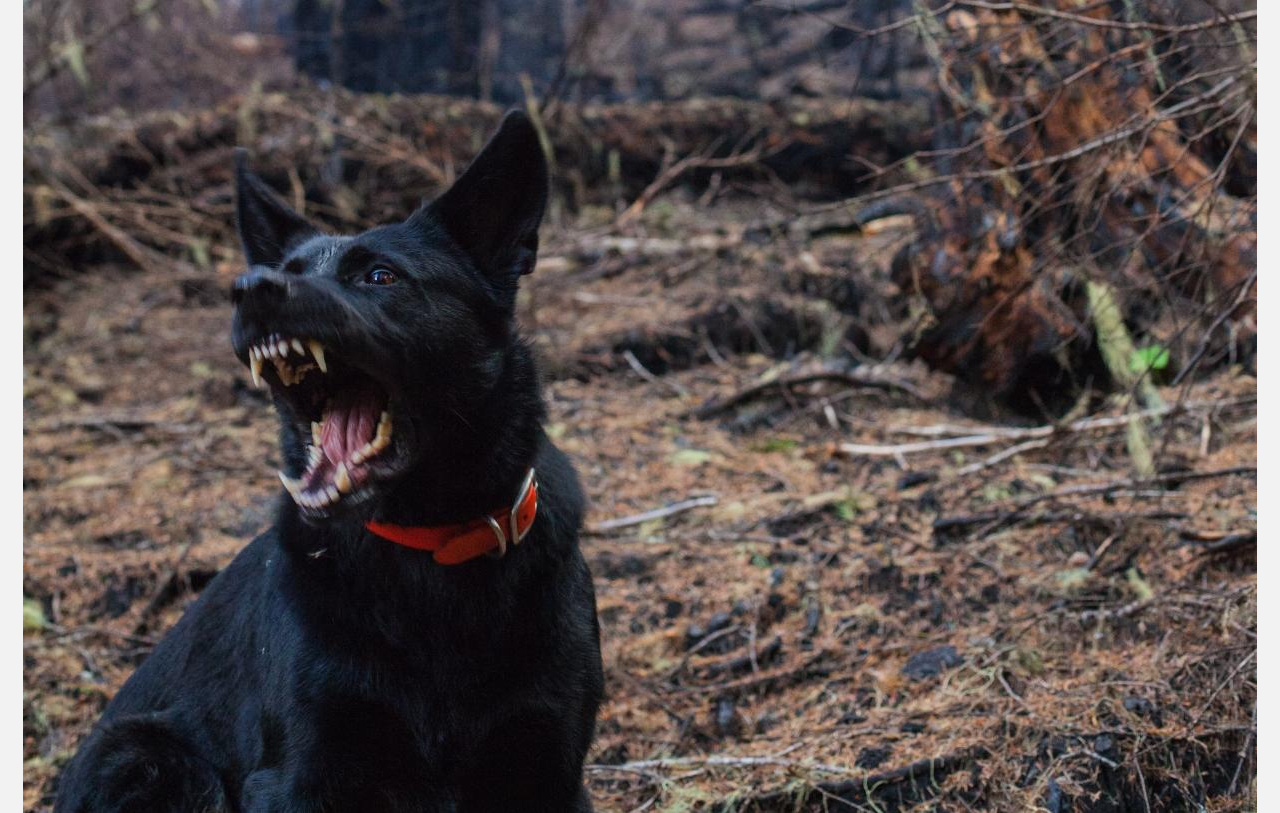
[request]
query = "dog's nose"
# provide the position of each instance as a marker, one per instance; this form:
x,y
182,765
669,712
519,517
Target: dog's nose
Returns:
x,y
264,286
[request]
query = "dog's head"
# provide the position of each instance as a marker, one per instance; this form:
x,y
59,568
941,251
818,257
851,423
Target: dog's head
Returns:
x,y
369,342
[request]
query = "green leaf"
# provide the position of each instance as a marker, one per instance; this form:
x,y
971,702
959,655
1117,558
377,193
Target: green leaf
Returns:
x,y
73,53
1072,579
1151,357
690,457
846,510
200,253
651,528
1138,584
33,615
776,445
759,561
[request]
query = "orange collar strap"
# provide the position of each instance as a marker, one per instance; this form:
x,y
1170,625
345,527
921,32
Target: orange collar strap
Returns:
x,y
455,544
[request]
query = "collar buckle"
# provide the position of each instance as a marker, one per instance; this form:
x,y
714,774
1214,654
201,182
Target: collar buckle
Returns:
x,y
518,534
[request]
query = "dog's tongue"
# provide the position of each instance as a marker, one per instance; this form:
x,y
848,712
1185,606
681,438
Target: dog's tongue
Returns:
x,y
349,424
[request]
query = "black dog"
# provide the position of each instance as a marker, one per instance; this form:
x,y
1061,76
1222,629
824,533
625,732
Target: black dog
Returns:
x,y
392,643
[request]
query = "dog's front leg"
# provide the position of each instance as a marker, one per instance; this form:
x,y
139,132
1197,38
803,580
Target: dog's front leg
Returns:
x,y
264,791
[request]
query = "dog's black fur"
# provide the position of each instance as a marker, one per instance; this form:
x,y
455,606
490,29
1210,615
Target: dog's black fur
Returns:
x,y
326,669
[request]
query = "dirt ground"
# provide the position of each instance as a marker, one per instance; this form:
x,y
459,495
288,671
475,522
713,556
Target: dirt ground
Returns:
x,y
949,628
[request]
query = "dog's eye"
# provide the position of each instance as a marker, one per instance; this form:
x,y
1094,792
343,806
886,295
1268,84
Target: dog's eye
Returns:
x,y
380,276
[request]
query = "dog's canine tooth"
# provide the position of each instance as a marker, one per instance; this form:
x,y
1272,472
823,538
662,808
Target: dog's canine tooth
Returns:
x,y
283,347
317,432
291,484
383,436
255,370
317,350
342,479
296,344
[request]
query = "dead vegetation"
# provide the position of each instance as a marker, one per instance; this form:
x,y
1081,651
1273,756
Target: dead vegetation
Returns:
x,y
920,435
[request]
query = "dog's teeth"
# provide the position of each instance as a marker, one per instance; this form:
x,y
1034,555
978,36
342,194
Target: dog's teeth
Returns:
x,y
292,485
383,436
317,432
314,454
283,347
296,344
317,350
331,494
255,370
342,479
359,456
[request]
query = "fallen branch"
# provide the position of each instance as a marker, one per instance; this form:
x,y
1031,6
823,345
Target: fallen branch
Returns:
x,y
719,761
1161,479
987,435
1222,543
1122,25
699,160
1000,519
1001,456
855,376
907,785
647,375
656,513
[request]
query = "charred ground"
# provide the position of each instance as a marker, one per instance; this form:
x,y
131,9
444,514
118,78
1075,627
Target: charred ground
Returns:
x,y
822,628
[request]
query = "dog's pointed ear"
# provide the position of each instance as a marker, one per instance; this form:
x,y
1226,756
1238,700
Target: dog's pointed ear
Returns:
x,y
493,211
267,226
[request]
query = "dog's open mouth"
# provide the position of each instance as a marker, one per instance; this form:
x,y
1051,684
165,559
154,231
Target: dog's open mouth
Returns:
x,y
343,413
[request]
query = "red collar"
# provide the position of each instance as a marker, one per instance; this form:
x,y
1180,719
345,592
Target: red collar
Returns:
x,y
455,544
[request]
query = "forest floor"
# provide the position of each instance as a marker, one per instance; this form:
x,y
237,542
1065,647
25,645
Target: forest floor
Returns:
x,y
817,628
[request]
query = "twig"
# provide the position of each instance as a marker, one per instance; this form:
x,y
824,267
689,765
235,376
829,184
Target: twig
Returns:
x,y
699,160
743,663
1203,346
1001,456
1227,544
143,257
1116,485
1042,11
873,376
721,761
998,519
656,513
647,375
1174,112
54,65
924,776
166,589
1132,608
987,435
